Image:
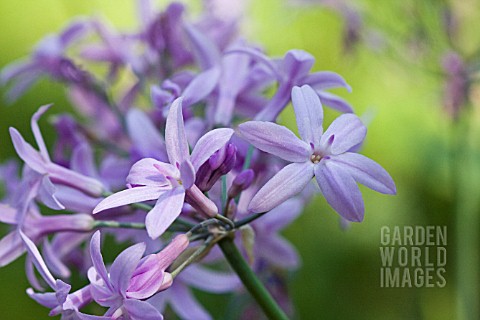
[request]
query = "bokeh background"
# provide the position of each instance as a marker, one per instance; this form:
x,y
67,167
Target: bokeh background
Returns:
x,y
397,79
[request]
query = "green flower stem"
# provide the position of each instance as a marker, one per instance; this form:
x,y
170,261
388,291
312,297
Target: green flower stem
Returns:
x,y
250,280
248,219
116,224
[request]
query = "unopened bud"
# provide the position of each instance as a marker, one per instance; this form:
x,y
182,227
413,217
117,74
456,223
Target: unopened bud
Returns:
x,y
219,164
241,182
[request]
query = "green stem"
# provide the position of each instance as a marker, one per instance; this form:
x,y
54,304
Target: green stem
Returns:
x,y
250,280
116,224
248,219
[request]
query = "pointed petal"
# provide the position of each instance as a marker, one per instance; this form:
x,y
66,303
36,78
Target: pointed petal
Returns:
x,y
38,261
48,299
309,114
141,310
27,153
208,144
175,138
201,86
36,131
366,171
281,216
347,131
334,102
326,80
145,136
340,190
11,247
275,139
54,262
124,265
285,184
297,63
82,160
97,259
165,211
128,196
209,280
46,194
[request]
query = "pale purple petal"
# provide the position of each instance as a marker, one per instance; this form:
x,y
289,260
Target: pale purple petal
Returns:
x,y
175,138
281,216
82,160
145,173
185,305
347,131
46,194
27,153
48,299
201,86
11,247
165,211
209,280
145,137
36,131
340,190
52,259
141,310
309,114
334,102
278,251
172,251
124,265
38,261
205,51
258,56
128,196
297,63
288,182
275,139
326,80
366,172
14,70
208,144
187,174
8,214
97,259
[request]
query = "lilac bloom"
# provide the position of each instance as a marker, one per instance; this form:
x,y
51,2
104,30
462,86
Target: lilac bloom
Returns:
x,y
293,70
168,183
40,162
61,301
325,156
48,58
132,279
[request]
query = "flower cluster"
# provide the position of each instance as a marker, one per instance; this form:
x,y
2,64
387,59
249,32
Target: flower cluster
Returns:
x,y
175,149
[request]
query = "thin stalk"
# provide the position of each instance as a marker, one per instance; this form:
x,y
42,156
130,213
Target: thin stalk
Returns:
x,y
116,224
248,219
250,280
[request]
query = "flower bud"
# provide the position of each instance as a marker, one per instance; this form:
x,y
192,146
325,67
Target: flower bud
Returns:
x,y
219,164
241,182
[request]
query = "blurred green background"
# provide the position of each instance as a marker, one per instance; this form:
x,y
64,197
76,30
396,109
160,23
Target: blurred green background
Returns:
x,y
409,136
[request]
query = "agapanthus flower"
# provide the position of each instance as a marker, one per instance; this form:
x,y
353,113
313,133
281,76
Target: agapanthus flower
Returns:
x,y
323,155
168,183
132,278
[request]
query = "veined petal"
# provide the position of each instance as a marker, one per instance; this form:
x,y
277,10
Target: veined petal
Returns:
x,y
175,138
141,310
165,211
326,80
208,144
347,131
124,265
309,113
275,139
366,171
334,102
201,86
38,261
288,182
340,190
145,173
128,196
27,153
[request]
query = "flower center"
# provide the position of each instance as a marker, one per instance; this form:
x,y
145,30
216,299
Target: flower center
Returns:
x,y
315,158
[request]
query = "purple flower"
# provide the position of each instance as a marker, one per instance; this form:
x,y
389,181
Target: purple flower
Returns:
x,y
293,70
325,155
132,279
40,162
168,183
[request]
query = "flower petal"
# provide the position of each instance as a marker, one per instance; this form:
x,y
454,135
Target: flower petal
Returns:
x,y
275,139
326,80
36,131
209,280
124,265
128,196
340,190
281,216
309,114
297,63
165,211
347,131
185,305
175,138
367,172
334,102
145,173
201,86
278,251
97,259
208,144
172,251
187,174
204,49
27,153
141,310
285,184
